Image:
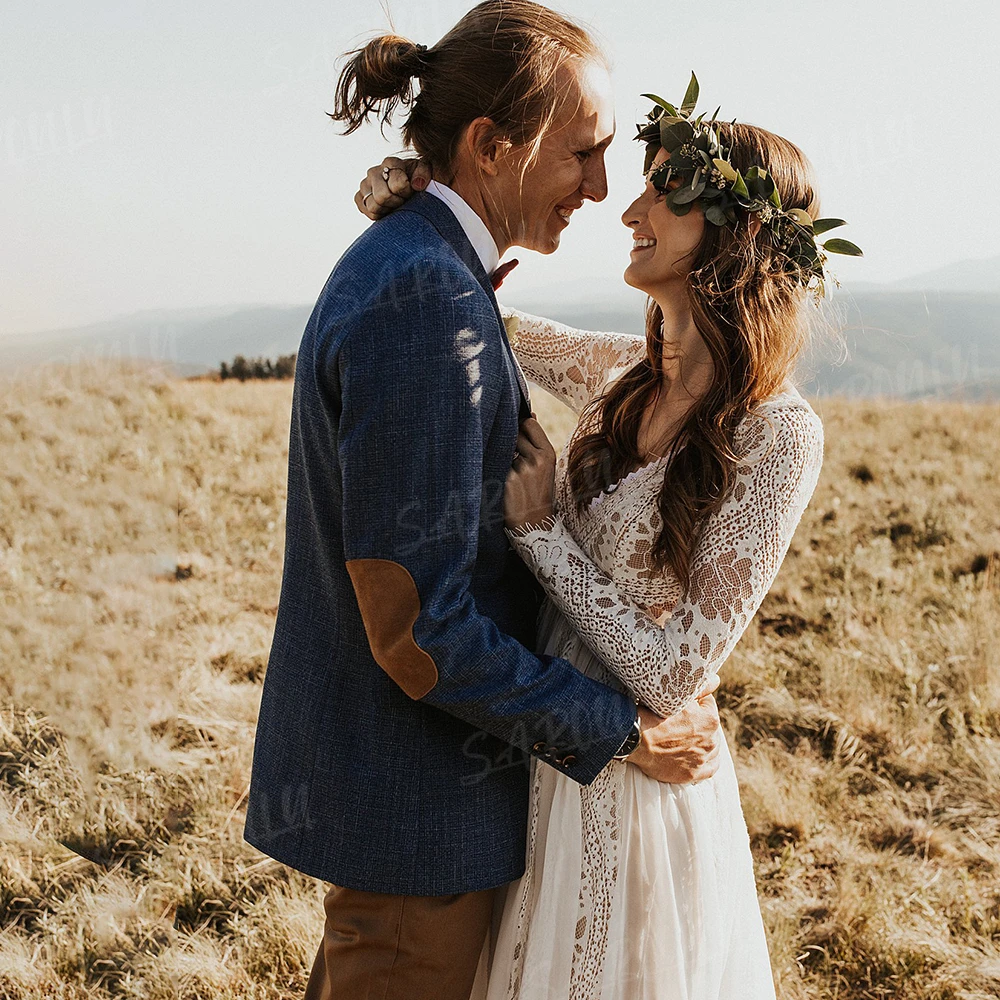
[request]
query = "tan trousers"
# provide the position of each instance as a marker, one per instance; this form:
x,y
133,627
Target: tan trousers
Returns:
x,y
383,947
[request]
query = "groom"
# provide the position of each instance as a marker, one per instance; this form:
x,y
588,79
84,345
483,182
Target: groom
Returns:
x,y
402,696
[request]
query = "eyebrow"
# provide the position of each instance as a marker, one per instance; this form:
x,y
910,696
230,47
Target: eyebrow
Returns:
x,y
603,144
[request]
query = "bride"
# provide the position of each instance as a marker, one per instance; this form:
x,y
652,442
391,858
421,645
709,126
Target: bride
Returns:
x,y
656,533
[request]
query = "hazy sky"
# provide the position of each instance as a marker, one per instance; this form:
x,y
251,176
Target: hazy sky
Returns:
x,y
177,154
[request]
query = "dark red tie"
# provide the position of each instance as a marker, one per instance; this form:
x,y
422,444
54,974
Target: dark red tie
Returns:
x,y
501,272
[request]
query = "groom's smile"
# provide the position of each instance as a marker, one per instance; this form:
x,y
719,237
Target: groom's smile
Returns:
x,y
565,212
568,169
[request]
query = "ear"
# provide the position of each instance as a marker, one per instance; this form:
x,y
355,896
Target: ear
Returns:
x,y
483,147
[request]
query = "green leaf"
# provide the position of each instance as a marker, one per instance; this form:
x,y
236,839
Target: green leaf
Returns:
x,y
657,100
660,177
674,135
844,247
821,226
728,170
715,215
740,187
683,195
775,199
690,95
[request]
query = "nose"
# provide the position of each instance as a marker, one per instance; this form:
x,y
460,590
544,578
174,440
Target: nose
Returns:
x,y
595,179
632,216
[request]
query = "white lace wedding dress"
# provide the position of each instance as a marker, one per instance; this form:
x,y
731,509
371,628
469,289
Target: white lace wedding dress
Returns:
x,y
636,890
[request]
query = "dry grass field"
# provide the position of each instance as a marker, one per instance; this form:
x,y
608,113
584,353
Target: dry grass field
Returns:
x,y
140,556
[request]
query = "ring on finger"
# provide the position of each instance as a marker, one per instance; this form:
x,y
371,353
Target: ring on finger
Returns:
x,y
364,201
385,173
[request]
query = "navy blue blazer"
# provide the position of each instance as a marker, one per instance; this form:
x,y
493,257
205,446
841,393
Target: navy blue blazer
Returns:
x,y
402,694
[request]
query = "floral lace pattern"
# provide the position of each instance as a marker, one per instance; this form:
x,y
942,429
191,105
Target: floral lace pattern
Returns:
x,y
665,665
661,644
571,364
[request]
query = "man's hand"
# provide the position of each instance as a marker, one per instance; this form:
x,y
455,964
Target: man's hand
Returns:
x,y
684,748
389,184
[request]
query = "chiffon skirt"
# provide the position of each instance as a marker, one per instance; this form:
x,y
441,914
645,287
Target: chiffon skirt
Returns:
x,y
633,890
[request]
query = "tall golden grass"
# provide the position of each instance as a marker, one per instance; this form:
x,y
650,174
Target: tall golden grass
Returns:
x,y
140,557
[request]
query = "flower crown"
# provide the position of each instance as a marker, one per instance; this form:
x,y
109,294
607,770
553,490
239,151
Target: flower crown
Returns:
x,y
701,163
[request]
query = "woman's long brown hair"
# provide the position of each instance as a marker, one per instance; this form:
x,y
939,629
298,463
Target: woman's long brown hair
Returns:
x,y
747,306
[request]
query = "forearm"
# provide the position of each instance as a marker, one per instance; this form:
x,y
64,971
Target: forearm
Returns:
x,y
734,561
648,658
569,363
541,704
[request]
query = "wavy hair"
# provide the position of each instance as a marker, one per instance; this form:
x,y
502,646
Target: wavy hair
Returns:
x,y
747,307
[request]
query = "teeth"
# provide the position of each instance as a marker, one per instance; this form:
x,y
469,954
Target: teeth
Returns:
x,y
564,213
643,242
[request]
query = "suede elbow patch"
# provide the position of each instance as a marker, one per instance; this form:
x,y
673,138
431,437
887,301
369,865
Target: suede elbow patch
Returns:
x,y
389,604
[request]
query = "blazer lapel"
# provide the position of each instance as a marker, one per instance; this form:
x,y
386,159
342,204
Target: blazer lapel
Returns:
x,y
443,219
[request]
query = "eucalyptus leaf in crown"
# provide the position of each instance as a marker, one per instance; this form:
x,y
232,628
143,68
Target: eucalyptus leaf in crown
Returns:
x,y
701,163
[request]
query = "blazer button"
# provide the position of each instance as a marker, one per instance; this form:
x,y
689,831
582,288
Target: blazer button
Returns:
x,y
552,752
569,760
539,747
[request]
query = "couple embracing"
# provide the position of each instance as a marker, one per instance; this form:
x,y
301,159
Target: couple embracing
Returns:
x,y
488,718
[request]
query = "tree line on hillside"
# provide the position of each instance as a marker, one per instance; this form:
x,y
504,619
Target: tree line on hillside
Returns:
x,y
246,368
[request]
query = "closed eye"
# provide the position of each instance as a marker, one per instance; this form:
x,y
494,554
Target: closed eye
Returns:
x,y
585,154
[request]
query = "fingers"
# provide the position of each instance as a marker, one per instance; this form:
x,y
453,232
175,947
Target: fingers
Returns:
x,y
711,687
707,770
395,163
362,203
398,180
533,452
421,175
391,183
535,435
382,198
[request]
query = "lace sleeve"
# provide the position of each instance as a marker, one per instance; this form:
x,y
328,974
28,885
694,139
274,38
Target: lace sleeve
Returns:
x,y
733,567
571,364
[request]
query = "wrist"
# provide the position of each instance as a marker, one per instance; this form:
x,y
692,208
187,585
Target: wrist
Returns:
x,y
545,522
647,720
632,740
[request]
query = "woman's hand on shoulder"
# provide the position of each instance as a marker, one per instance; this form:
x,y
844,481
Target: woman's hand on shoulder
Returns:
x,y
389,184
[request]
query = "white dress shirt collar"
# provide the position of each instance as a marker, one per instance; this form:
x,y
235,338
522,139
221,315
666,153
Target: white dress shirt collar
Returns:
x,y
474,227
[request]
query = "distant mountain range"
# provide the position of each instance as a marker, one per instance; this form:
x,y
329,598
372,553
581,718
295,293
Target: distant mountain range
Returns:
x,y
933,335
981,275
191,341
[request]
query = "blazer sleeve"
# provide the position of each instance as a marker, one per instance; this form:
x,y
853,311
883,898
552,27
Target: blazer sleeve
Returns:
x,y
573,365
410,443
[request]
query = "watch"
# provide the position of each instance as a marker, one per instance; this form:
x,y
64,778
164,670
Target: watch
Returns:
x,y
631,741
